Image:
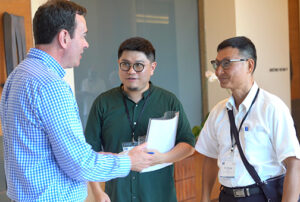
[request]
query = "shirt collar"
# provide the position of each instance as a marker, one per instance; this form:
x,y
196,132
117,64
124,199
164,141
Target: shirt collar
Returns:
x,y
48,60
247,101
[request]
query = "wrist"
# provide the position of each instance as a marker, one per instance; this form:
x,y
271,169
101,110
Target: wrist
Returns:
x,y
163,158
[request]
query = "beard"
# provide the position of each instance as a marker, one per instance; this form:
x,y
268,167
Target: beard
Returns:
x,y
132,88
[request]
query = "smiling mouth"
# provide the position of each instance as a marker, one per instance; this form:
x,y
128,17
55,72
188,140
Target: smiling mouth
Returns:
x,y
222,79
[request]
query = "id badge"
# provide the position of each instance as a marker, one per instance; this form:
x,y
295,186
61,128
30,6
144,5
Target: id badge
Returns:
x,y
227,168
127,146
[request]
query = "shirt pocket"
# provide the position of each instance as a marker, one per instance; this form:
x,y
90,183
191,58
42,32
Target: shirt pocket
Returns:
x,y
257,143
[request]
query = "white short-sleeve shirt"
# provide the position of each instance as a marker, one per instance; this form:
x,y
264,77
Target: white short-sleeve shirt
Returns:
x,y
267,137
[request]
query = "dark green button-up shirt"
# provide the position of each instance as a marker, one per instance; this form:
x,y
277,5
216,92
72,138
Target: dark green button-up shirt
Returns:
x,y
108,127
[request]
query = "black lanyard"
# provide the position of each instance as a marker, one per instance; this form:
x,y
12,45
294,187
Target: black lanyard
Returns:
x,y
232,138
131,122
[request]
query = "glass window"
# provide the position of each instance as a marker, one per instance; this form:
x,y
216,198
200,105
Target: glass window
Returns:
x,y
171,26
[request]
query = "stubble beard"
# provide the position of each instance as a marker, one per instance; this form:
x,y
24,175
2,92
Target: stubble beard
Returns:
x,y
133,89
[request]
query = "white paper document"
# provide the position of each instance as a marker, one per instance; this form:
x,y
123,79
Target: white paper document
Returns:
x,y
161,135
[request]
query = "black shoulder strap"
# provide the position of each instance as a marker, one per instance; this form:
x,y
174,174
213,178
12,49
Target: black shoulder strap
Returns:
x,y
234,131
251,170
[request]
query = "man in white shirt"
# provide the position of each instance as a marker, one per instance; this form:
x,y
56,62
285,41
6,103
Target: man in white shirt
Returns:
x,y
266,132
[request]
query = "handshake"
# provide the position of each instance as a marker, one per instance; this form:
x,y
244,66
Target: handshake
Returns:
x,y
142,158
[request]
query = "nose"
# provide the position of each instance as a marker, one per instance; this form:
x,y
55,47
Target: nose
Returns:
x,y
86,45
218,70
131,70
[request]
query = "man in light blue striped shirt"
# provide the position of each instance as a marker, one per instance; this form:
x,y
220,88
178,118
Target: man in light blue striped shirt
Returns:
x,y
46,156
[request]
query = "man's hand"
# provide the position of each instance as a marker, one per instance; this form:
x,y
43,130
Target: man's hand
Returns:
x,y
102,197
140,159
158,157
179,152
99,194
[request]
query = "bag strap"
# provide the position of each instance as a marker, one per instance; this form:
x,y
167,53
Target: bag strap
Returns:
x,y
251,170
234,131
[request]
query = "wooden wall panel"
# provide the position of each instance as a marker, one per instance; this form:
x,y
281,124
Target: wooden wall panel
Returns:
x,y
188,179
294,36
20,8
186,190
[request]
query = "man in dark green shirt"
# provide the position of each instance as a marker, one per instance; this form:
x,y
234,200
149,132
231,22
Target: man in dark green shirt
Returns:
x,y
121,115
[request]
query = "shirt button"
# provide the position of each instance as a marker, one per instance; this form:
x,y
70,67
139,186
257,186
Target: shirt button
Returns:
x,y
136,105
134,197
134,123
133,177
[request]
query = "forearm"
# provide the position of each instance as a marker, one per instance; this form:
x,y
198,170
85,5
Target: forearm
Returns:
x,y
91,166
209,174
106,167
291,187
179,152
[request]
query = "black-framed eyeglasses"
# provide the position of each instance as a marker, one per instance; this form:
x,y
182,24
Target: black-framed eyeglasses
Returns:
x,y
138,67
225,63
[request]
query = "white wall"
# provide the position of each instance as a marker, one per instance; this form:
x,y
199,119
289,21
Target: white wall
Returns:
x,y
69,72
267,27
219,22
266,24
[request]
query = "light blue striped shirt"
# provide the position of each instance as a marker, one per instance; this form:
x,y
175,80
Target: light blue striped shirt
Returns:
x,y
46,156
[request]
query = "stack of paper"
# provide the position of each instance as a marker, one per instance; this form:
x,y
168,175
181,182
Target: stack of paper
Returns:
x,y
161,135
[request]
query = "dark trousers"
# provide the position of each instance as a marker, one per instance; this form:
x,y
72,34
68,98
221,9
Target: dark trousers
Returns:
x,y
230,198
223,197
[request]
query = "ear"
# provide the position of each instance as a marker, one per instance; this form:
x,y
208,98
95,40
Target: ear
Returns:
x,y
250,65
153,66
63,38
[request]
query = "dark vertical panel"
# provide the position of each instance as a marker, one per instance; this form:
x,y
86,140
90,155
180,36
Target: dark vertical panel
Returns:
x,y
20,8
294,37
14,40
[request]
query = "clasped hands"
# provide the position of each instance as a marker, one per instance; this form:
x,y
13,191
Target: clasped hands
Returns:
x,y
142,158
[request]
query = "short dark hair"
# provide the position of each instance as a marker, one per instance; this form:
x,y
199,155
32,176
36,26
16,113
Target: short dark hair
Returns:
x,y
137,44
54,16
245,46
